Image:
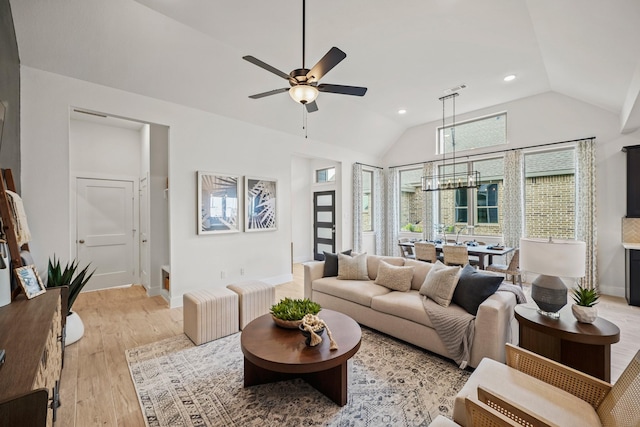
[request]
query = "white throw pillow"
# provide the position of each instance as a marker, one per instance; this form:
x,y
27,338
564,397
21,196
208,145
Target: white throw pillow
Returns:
x,y
440,283
394,277
352,267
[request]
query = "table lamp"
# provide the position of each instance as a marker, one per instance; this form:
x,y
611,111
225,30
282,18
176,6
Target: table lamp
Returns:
x,y
551,259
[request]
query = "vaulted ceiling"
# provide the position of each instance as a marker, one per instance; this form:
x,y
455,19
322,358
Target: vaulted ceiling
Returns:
x,y
407,52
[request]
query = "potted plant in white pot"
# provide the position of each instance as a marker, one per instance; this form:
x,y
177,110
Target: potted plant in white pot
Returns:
x,y
76,280
585,299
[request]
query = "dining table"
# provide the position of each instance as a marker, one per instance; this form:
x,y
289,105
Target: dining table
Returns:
x,y
483,252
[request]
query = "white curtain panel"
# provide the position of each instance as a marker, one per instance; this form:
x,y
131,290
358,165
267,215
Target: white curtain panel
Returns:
x,y
392,207
586,230
513,199
357,207
427,214
378,210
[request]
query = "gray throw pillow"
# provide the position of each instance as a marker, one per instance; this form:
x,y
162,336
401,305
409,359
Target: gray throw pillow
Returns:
x,y
331,263
440,283
352,268
394,277
474,287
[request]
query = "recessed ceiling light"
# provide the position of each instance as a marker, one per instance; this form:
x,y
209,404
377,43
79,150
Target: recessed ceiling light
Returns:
x,y
510,77
402,111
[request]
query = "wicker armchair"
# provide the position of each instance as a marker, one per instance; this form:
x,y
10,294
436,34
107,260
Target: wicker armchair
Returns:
x,y
455,255
479,414
512,269
425,251
604,404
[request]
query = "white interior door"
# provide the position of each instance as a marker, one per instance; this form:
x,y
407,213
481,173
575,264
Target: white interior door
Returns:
x,y
106,233
144,233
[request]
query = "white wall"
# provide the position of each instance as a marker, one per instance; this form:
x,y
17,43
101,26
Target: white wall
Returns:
x,y
197,141
99,149
301,208
552,117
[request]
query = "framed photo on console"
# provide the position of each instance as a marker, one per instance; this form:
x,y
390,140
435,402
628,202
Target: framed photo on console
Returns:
x,y
30,281
260,204
218,203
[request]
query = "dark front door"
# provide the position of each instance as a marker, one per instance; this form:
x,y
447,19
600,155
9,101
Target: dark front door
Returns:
x,y
324,223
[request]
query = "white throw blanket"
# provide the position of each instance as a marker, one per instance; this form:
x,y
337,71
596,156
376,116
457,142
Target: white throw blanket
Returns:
x,y
19,218
455,329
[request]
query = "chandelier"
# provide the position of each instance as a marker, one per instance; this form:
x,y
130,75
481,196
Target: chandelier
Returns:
x,y
444,180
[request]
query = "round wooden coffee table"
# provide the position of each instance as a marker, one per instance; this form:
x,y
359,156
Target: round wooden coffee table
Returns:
x,y
272,353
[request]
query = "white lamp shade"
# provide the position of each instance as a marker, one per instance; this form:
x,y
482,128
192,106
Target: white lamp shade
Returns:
x,y
303,93
561,258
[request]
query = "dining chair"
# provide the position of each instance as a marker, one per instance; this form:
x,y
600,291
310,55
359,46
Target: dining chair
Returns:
x,y
512,269
406,251
425,251
455,255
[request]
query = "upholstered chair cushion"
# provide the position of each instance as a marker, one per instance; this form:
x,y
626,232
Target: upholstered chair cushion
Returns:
x,y
331,263
352,268
394,277
474,287
440,283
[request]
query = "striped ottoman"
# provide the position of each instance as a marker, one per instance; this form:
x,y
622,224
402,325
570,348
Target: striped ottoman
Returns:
x,y
256,299
210,314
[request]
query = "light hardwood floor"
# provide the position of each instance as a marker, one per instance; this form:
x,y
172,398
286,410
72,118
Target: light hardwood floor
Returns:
x,y
96,387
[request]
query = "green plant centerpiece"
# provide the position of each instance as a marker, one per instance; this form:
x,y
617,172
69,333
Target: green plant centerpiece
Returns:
x,y
70,276
289,313
585,299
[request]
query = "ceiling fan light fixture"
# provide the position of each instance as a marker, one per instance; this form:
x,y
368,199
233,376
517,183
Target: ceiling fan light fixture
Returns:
x,y
304,94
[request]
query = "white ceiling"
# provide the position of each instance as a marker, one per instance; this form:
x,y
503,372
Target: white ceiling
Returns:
x,y
407,52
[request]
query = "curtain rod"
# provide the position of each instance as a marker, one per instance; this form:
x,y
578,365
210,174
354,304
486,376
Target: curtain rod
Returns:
x,y
369,166
499,151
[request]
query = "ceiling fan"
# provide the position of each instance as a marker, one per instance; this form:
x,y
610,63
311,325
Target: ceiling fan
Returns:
x,y
304,87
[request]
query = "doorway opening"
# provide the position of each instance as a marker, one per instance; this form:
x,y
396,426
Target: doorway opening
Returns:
x,y
119,170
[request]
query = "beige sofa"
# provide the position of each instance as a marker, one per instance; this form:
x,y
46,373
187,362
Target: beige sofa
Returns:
x,y
402,314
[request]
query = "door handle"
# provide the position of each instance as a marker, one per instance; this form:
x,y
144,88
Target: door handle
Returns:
x,y
144,240
80,241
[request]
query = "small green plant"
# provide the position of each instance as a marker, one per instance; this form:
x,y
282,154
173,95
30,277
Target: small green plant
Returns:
x,y
294,309
414,228
585,297
57,276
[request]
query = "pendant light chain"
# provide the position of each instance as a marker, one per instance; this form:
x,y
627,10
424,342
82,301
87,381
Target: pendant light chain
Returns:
x,y
444,180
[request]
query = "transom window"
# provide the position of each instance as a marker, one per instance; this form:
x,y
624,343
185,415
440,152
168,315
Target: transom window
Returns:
x,y
476,133
326,175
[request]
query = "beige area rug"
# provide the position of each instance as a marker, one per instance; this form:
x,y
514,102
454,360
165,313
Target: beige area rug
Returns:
x,y
391,383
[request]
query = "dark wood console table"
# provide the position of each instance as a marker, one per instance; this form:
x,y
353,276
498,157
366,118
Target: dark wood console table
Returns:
x,y
32,333
582,346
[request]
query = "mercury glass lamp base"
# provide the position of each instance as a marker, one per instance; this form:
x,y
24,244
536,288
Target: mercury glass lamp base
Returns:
x,y
550,314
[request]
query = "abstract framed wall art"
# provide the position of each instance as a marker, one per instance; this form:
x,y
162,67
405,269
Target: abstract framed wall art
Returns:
x,y
260,204
218,203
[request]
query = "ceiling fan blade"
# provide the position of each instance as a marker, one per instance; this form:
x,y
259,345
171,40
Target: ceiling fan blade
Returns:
x,y
271,92
328,61
343,90
312,107
266,66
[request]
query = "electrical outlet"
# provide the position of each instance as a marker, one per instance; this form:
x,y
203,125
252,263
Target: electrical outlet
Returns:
x,y
242,271
223,274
